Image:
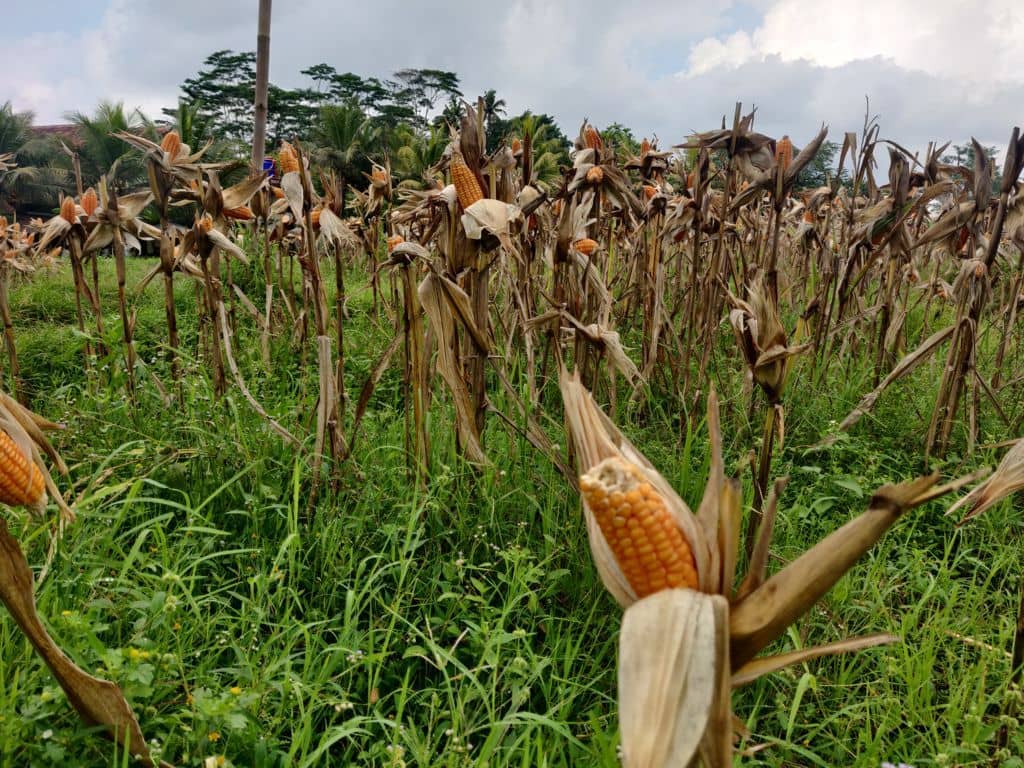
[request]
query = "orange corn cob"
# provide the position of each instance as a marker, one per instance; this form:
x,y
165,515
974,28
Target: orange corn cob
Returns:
x,y
784,153
641,532
379,176
242,213
645,147
90,202
466,185
517,146
288,160
595,175
206,222
585,245
394,241
3,226
809,216
314,216
67,210
278,193
649,191
171,144
591,138
21,482
691,179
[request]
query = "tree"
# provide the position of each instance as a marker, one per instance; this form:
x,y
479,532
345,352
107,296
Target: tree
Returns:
x,y
418,153
622,139
422,88
344,137
225,88
550,145
102,153
821,170
35,182
963,155
494,110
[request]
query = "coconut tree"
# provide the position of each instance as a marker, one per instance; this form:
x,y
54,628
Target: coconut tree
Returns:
x,y
29,178
418,155
344,138
102,153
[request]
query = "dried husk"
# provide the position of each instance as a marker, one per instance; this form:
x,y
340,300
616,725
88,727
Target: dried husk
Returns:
x,y
671,668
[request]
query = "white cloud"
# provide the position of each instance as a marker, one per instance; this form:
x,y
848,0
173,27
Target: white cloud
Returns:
x,y
937,69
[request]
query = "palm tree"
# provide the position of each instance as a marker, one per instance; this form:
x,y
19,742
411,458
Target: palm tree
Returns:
x,y
494,108
550,147
34,182
344,138
418,154
101,152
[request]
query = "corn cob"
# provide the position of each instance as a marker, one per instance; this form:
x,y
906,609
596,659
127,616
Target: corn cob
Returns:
x,y
647,543
394,241
691,179
278,193
645,147
67,210
784,153
591,138
517,146
206,222
21,482
314,216
585,245
379,176
595,175
242,213
3,226
649,191
466,185
171,145
90,202
288,160
809,216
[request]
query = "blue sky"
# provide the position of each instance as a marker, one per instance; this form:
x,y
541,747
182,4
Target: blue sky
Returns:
x,y
934,69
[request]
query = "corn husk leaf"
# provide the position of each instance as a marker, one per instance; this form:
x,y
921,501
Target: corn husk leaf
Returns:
x,y
757,668
669,668
763,615
98,702
439,315
1006,480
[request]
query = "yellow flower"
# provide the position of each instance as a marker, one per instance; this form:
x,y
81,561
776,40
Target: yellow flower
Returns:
x,y
213,736
235,690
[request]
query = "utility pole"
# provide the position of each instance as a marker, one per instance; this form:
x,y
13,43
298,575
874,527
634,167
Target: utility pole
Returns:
x,y
259,134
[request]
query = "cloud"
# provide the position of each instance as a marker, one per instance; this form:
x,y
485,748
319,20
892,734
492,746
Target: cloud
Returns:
x,y
936,69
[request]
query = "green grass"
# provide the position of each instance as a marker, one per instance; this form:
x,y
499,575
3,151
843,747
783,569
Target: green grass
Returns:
x,y
463,624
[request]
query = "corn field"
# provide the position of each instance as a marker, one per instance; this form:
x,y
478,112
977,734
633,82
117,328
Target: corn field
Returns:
x,y
378,426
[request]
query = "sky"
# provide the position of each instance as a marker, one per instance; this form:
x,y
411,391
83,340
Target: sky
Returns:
x,y
932,69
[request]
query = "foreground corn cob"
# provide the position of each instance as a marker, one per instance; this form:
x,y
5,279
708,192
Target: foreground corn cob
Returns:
x,y
643,535
466,185
595,175
21,482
